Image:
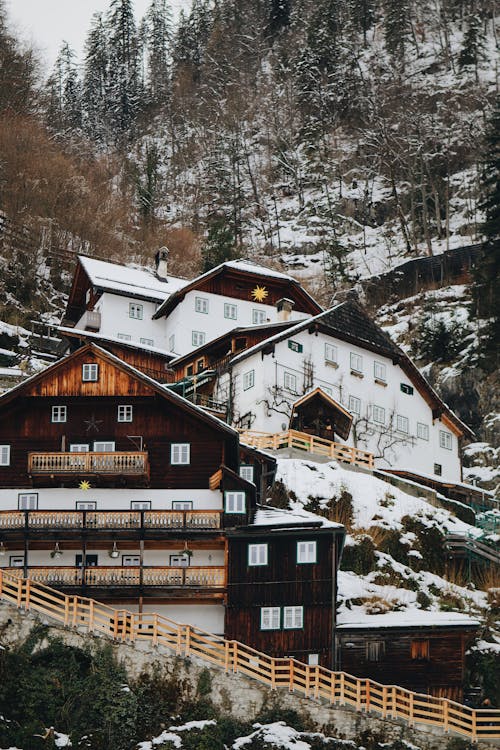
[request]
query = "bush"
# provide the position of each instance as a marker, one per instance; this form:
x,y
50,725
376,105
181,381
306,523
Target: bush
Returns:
x,y
360,556
423,600
438,340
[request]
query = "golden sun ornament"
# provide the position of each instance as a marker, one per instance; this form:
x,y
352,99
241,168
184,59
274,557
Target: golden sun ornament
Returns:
x,y
260,293
84,485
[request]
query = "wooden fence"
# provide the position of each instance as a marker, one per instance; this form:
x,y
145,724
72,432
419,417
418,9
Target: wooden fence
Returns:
x,y
388,701
112,519
114,462
310,443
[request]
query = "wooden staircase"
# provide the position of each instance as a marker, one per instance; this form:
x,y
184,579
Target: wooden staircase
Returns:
x,y
319,683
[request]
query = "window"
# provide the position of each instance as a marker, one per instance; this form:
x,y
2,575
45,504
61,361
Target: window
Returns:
x,y
235,502
179,561
270,618
354,405
124,336
420,649
200,364
408,389
131,561
27,500
189,370
90,561
331,354
59,413
257,554
378,414
248,380
293,618
125,413
197,338
290,382
380,371
16,561
313,660
79,448
438,470
135,311
86,505
375,650
246,472
295,346
306,552
4,455
201,305
104,446
356,363
230,311
90,373
182,505
258,317
445,440
171,342
180,454
422,431
140,505
402,424
147,342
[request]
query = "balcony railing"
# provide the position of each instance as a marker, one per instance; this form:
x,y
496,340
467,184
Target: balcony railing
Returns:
x,y
115,520
114,462
92,320
194,577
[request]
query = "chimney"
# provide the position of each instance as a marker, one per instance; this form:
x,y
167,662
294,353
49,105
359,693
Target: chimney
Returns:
x,y
284,308
161,263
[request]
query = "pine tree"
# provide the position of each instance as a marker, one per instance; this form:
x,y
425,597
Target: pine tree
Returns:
x,y
123,84
219,245
397,29
95,81
158,35
64,110
362,14
473,45
279,16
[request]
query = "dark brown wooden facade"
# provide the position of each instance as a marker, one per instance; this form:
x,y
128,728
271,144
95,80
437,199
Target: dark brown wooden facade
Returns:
x,y
427,660
283,582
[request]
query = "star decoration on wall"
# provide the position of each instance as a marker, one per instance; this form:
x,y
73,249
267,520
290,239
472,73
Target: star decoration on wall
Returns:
x,y
260,293
92,423
84,485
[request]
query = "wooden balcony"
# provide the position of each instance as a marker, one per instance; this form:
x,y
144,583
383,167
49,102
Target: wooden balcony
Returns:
x,y
209,577
310,443
113,463
114,520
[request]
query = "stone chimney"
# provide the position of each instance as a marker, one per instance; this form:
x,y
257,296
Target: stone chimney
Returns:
x,y
284,308
161,263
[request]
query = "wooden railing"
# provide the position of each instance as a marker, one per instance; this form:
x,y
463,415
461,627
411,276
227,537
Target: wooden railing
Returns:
x,y
196,576
389,701
114,519
310,443
114,462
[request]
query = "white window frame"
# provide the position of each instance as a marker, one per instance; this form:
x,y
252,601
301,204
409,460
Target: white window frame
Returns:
x,y
354,405
230,311
131,561
307,553
201,305
198,338
90,372
270,618
125,413
59,414
248,380
290,381
293,618
86,504
235,502
258,555
331,354
124,336
79,448
180,454
378,414
380,371
247,472
182,505
259,317
140,505
356,362
422,431
402,424
27,500
445,440
97,443
135,310
147,342
4,455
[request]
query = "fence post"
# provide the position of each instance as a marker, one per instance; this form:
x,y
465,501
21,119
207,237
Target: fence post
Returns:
x,y
27,594
155,629
19,592
332,687
235,656
474,727
367,696
66,610
91,616
384,702
226,656
444,702
1,582
411,716
188,640
290,676
316,682
394,710
273,673
358,694
342,689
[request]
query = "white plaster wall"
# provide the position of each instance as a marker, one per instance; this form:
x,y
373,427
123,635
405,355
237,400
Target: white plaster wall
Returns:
x,y
408,452
184,319
115,319
152,557
112,499
208,617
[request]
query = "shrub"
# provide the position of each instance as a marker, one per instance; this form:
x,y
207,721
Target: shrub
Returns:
x,y
423,600
438,340
360,556
279,496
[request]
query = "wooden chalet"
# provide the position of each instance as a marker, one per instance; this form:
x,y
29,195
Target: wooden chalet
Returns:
x,y
319,414
422,651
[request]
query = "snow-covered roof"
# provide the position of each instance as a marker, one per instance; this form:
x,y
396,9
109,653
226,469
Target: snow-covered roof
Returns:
x,y
129,280
114,340
252,267
411,618
278,517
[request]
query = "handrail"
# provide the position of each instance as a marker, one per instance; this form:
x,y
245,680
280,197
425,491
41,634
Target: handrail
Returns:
x,y
389,701
460,544
112,519
309,443
200,576
95,462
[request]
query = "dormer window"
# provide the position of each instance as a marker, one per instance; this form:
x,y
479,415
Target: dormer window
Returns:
x,y
90,373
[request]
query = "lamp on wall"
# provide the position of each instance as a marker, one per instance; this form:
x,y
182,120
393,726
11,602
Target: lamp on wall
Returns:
x,y
114,552
3,549
56,552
